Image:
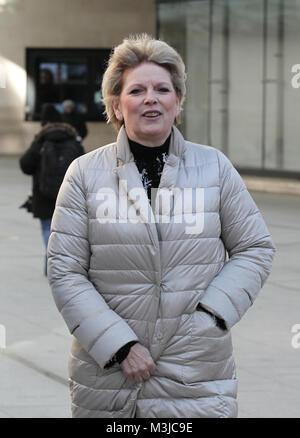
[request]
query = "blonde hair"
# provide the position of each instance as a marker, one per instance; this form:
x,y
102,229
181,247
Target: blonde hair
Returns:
x,y
130,53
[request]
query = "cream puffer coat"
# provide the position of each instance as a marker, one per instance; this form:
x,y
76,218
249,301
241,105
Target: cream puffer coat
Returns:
x,y
116,280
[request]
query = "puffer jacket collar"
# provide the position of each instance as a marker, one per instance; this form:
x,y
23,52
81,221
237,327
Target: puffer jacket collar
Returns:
x,y
130,180
127,170
176,149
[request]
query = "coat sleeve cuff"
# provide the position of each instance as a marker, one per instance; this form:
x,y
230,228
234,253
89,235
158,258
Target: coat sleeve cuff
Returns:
x,y
220,305
109,342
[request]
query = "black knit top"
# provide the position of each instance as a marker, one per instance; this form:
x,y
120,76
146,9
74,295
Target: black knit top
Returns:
x,y
150,162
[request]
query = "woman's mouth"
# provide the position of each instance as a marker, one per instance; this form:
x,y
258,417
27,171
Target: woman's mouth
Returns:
x,y
151,114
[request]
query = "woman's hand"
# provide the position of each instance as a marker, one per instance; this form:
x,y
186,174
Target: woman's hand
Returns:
x,y
138,364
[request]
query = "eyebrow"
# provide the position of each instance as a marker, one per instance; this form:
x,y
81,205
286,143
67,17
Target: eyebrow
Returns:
x,y
165,84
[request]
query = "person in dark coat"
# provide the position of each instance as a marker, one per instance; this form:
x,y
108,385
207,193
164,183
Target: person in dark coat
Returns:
x,y
55,131
74,118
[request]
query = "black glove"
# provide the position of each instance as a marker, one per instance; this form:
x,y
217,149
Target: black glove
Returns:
x,y
120,355
219,322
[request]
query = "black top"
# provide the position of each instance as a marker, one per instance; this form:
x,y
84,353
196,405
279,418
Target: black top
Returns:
x,y
150,161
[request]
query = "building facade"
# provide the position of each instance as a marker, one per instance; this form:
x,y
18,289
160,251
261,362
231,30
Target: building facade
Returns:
x,y
242,59
242,86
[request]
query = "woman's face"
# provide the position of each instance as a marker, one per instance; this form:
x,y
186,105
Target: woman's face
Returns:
x,y
148,104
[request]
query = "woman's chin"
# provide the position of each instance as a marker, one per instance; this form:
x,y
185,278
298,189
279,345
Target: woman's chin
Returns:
x,y
157,135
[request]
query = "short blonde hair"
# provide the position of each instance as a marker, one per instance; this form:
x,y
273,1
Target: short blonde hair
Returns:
x,y
132,52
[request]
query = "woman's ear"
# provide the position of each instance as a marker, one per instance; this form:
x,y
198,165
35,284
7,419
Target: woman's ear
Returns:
x,y
177,111
178,106
117,110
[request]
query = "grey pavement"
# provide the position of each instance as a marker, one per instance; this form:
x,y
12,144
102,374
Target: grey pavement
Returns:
x,y
33,366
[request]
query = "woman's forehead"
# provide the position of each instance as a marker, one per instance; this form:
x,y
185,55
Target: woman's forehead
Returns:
x,y
146,72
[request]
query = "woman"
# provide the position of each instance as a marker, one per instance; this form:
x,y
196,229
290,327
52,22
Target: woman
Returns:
x,y
142,281
57,133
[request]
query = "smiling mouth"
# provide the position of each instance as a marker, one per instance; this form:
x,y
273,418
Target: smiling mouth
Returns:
x,y
152,114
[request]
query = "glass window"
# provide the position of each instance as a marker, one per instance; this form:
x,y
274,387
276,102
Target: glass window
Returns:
x,y
55,75
239,55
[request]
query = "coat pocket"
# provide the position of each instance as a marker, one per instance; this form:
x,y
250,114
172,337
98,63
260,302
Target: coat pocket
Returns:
x,y
219,322
210,351
203,321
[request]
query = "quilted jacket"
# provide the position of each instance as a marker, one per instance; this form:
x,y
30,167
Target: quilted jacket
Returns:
x,y
121,270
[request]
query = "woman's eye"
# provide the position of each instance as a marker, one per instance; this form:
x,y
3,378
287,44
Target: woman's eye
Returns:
x,y
163,89
135,91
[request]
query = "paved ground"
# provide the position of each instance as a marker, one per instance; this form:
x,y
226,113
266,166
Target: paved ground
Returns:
x,y
33,366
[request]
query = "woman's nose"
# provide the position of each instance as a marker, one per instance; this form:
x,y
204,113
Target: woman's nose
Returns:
x,y
150,97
